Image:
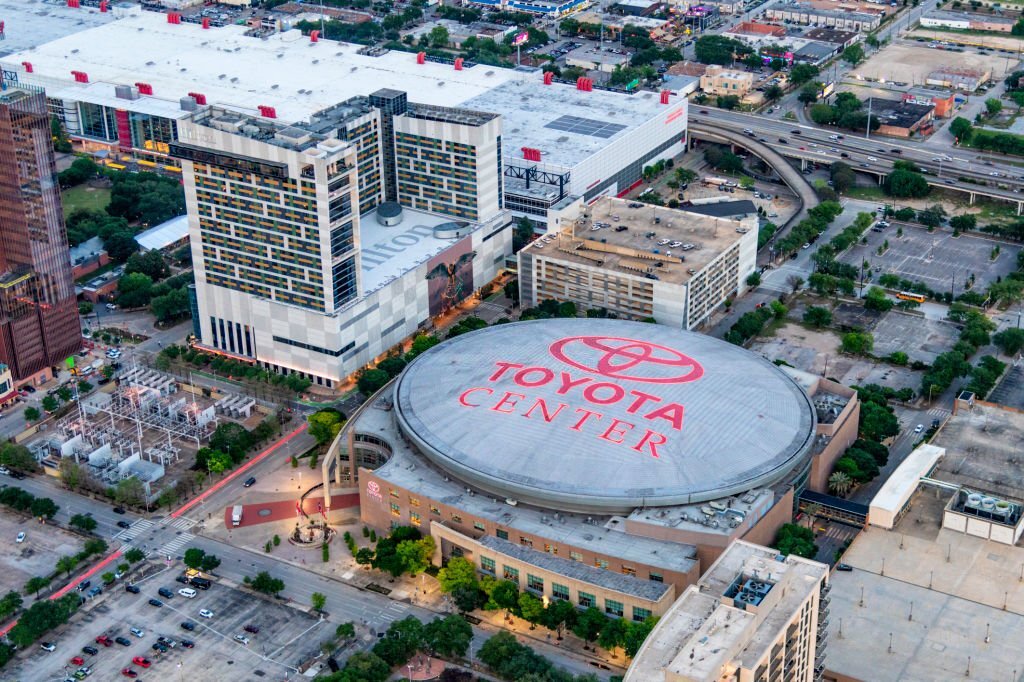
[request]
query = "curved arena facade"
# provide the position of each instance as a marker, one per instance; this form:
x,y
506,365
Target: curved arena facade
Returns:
x,y
598,461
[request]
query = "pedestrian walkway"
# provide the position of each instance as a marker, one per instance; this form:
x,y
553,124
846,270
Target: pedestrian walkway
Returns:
x,y
127,535
170,548
181,523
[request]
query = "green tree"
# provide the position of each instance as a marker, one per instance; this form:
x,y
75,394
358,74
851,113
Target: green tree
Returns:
x,y
415,555
44,507
877,422
32,414
809,93
50,404
134,290
876,299
613,634
840,484
857,343
365,666
717,49
371,381
530,608
993,106
318,600
448,637
134,555
265,583
35,584
345,630
801,73
853,54
961,129
83,522
66,564
324,425
459,572
193,558
906,184
130,491
818,316
589,625
151,264
19,457
727,102
439,36
636,633
773,93
1010,340
795,539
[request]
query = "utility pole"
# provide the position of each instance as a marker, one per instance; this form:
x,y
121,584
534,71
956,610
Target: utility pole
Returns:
x,y
867,126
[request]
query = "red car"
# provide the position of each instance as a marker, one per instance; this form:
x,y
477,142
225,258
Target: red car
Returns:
x,y
128,672
141,660
77,660
104,640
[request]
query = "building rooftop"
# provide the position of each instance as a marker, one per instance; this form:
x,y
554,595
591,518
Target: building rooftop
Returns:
x,y
611,580
298,78
724,209
811,10
414,472
897,113
597,56
388,252
983,450
830,35
682,241
33,22
746,424
938,592
86,250
945,15
734,612
164,234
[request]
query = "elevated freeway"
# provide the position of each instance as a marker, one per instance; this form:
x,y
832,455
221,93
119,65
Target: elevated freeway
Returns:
x,y
963,171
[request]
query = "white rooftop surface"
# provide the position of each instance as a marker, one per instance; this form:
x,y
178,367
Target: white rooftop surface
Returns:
x,y
746,423
242,73
398,258
180,58
902,483
29,23
104,93
164,234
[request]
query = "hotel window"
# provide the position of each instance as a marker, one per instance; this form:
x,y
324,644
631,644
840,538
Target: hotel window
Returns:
x,y
510,573
586,600
395,510
613,608
435,510
414,518
550,549
657,577
560,591
534,583
575,556
640,615
456,518
502,534
628,570
601,563
487,565
479,525
414,501
525,541
393,493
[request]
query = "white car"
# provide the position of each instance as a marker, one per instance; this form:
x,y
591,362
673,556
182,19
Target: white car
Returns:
x,y
871,158
20,538
5,471
919,428
206,613
242,639
138,632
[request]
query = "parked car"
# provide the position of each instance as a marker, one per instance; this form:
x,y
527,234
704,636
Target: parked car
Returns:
x,y
131,588
104,640
182,579
138,632
187,643
206,613
250,482
844,567
47,646
141,661
123,641
119,510
77,660
96,591
919,428
91,650
188,625
155,602
242,639
21,537
128,672
159,646
165,592
84,585
123,524
251,629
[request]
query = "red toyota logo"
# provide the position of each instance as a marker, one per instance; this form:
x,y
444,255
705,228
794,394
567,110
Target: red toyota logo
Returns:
x,y
627,359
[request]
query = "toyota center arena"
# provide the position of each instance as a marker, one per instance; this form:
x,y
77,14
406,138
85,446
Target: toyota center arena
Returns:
x,y
599,461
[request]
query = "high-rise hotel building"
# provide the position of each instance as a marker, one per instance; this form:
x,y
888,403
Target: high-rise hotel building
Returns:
x,y
39,325
320,245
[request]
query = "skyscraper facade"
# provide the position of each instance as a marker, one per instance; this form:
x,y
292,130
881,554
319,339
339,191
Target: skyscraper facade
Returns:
x,y
38,314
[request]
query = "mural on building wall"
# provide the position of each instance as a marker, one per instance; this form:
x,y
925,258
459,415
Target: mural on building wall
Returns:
x,y
450,276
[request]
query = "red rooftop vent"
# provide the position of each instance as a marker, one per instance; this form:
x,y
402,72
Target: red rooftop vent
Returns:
x,y
28,67
80,76
548,77
421,57
531,154
458,63
314,36
665,95
144,88
267,112
199,97
206,22
172,17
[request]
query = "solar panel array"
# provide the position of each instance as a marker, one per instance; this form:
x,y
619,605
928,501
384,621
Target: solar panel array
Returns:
x,y
585,126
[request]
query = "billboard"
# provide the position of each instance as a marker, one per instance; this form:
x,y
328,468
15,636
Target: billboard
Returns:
x,y
450,276
520,39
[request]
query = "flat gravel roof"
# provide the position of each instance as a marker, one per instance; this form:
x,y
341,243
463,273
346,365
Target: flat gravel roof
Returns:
x,y
603,415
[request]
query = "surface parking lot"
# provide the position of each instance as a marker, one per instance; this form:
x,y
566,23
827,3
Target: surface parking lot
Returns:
x,y
277,648
37,555
920,338
936,259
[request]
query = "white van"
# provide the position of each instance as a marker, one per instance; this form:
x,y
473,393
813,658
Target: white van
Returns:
x,y
187,592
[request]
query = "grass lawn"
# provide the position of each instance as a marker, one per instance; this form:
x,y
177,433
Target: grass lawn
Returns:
x,y
85,197
866,192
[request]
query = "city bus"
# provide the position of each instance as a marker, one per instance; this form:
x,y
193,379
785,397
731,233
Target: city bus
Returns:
x,y
908,296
